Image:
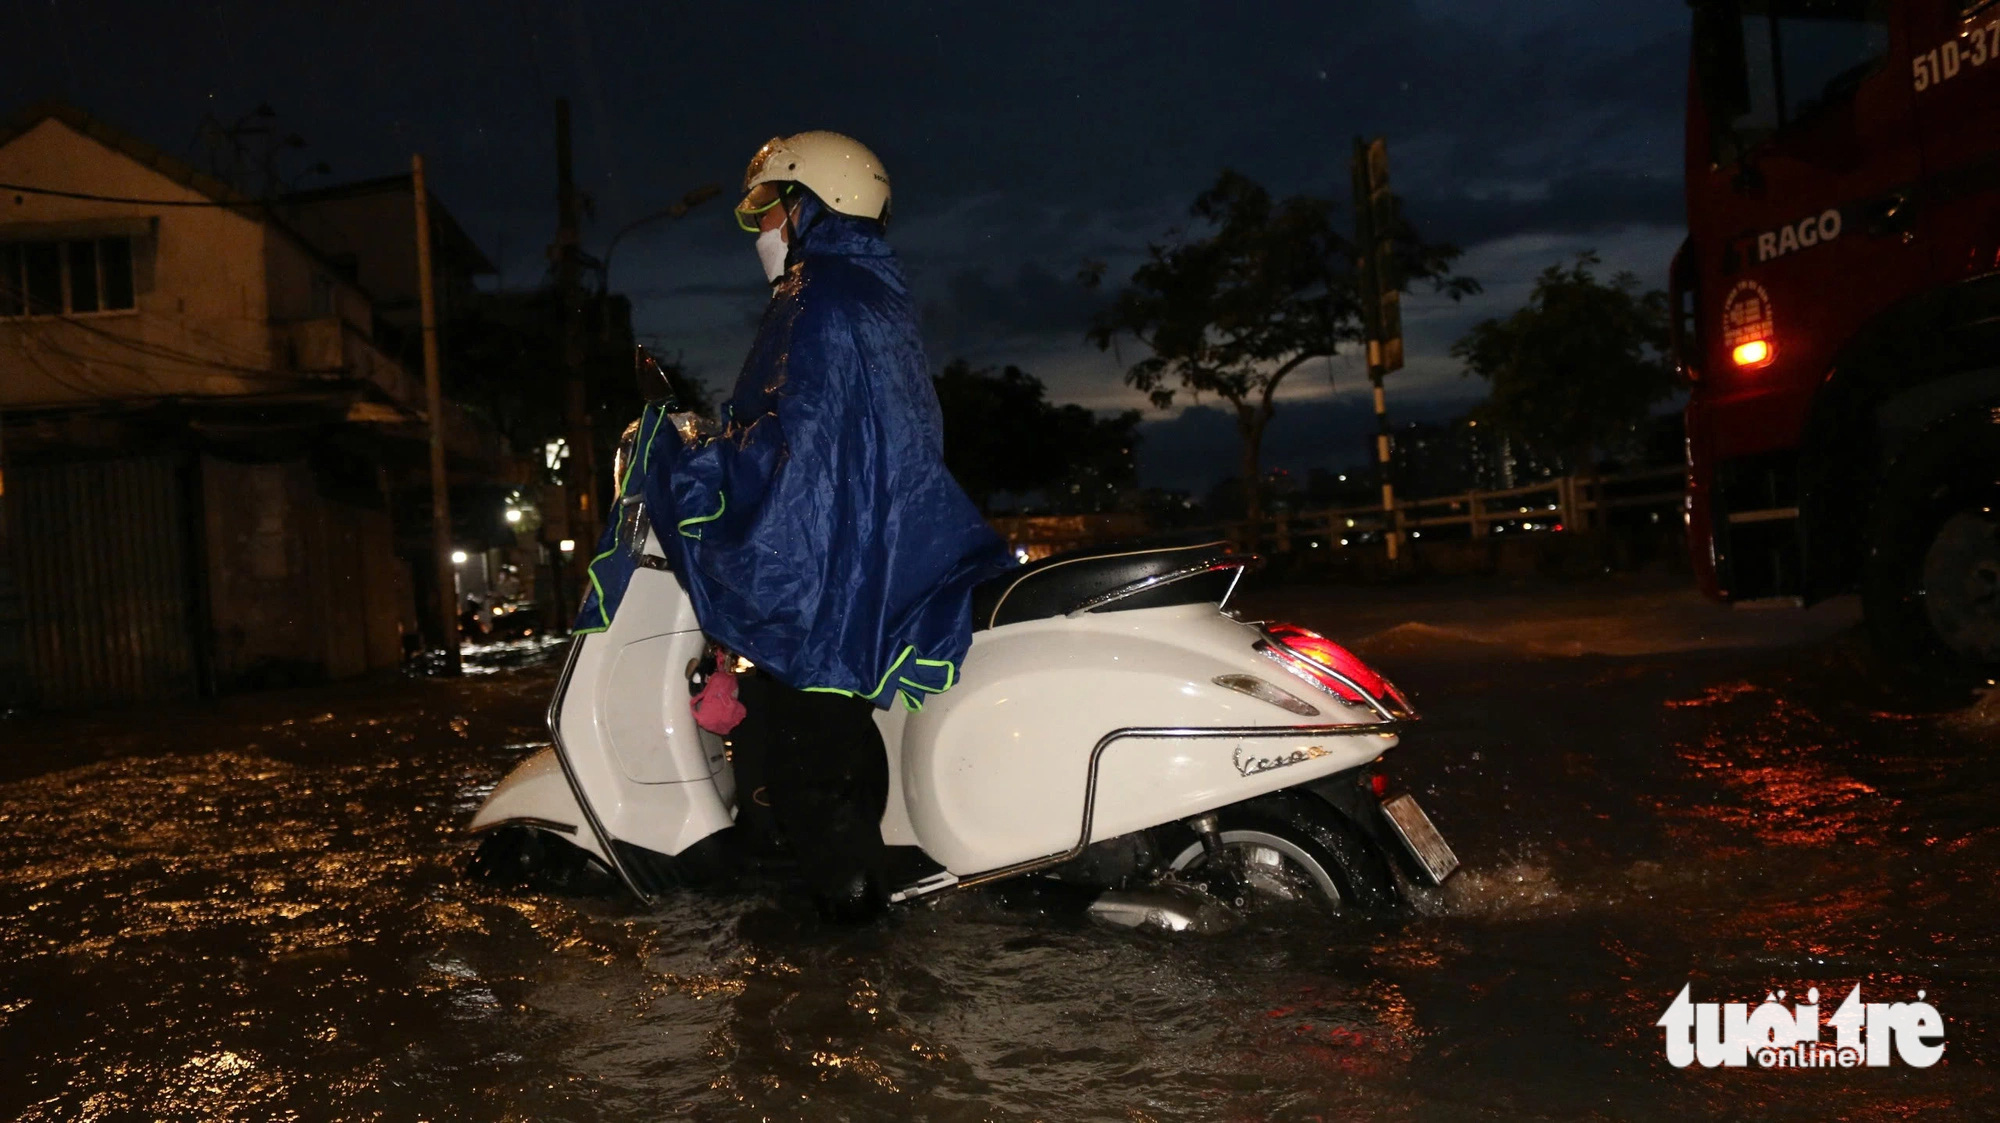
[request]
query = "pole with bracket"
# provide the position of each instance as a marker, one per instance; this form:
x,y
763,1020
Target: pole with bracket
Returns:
x,y
1381,309
447,571
580,474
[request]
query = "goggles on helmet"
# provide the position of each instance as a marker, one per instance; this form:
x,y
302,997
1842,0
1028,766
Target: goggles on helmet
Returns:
x,y
761,199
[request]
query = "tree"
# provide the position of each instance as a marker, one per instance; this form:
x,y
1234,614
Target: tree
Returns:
x,y
1001,434
1267,287
1578,366
1095,454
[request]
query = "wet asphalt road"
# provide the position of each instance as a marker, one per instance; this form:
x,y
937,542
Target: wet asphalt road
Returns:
x,y
253,909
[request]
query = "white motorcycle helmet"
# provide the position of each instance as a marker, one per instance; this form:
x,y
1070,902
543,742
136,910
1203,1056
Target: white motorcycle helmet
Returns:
x,y
839,169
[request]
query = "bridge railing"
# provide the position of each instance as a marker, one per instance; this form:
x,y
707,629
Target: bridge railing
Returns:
x,y
1561,504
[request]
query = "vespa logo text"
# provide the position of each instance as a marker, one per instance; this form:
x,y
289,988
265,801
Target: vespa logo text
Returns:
x,y
1249,764
1775,1036
1803,234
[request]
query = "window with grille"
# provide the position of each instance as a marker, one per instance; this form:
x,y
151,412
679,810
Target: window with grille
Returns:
x,y
76,276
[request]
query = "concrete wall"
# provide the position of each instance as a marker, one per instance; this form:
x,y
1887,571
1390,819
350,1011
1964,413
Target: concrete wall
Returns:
x,y
377,230
301,585
290,276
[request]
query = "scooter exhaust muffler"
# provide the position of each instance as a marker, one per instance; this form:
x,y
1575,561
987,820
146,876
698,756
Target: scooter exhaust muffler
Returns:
x,y
1166,907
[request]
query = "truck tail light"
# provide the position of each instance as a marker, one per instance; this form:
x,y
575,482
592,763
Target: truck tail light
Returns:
x,y
1752,354
1331,667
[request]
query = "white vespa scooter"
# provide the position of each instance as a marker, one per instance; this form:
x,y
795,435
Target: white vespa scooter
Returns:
x,y
1113,725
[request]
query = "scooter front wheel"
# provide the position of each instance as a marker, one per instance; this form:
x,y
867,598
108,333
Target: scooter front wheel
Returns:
x,y
1288,846
522,857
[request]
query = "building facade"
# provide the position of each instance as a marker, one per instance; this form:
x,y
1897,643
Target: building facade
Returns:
x,y
204,436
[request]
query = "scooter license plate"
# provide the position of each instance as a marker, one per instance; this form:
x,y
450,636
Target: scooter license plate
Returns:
x,y
1425,844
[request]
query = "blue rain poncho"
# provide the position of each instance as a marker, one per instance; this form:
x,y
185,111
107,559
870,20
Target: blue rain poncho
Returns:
x,y
820,535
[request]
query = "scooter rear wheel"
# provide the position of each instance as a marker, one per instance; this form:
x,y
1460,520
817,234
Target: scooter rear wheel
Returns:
x,y
1287,845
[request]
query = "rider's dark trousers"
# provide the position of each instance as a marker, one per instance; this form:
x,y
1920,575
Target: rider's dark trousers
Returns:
x,y
824,775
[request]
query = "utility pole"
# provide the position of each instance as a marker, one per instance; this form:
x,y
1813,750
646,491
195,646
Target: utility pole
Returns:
x,y
446,572
581,475
1381,305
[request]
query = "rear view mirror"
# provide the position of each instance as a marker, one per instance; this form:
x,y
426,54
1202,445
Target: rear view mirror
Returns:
x,y
654,387
1719,63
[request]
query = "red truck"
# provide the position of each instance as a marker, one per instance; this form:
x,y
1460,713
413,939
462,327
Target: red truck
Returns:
x,y
1837,310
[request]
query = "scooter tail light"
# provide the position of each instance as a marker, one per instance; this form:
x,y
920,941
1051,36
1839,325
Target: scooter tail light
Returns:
x,y
1332,668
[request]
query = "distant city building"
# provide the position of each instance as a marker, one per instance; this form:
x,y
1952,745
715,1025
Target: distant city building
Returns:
x,y
1352,486
1431,459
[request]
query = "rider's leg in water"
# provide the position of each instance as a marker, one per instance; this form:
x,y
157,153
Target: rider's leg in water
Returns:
x,y
750,759
828,779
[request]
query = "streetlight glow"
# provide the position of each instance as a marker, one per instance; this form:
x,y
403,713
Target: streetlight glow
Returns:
x,y
513,515
458,557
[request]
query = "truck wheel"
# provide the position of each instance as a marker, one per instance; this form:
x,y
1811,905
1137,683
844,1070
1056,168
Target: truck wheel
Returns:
x,y
1286,847
1931,586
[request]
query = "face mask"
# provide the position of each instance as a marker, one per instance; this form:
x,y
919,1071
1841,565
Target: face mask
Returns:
x,y
771,249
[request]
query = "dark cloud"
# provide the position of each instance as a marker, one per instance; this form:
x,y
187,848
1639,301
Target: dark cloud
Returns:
x,y
1574,204
1034,301
1023,138
750,289
1095,106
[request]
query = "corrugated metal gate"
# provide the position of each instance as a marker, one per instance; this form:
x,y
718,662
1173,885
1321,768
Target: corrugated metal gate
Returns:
x,y
102,561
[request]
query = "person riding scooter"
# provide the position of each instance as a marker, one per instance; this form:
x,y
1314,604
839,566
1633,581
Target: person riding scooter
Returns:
x,y
819,534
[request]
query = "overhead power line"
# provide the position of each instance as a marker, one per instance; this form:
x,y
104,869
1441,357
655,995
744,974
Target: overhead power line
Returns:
x,y
87,196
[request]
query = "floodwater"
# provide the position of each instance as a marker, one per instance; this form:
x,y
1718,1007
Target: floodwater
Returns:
x,y
254,910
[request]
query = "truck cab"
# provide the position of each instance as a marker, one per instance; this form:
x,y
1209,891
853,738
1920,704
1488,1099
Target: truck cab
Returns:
x,y
1837,312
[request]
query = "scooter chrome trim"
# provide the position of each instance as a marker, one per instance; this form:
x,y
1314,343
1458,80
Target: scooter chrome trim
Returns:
x,y
942,880
1266,692
1265,647
597,830
1388,726
1140,586
1222,605
523,821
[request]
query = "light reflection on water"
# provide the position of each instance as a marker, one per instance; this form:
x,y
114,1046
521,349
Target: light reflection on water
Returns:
x,y
265,920
1783,765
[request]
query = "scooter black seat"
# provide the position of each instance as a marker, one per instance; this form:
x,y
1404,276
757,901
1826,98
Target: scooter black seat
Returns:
x,y
1058,585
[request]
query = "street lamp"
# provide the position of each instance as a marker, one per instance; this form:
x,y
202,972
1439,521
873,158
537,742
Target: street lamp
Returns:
x,y
458,557
687,202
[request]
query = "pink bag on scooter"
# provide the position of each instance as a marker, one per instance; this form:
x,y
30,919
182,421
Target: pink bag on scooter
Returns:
x,y
716,707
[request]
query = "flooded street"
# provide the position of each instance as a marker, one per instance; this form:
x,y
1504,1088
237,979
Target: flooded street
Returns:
x,y
255,909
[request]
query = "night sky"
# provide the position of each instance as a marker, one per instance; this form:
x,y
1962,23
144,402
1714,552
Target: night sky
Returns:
x,y
1023,139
